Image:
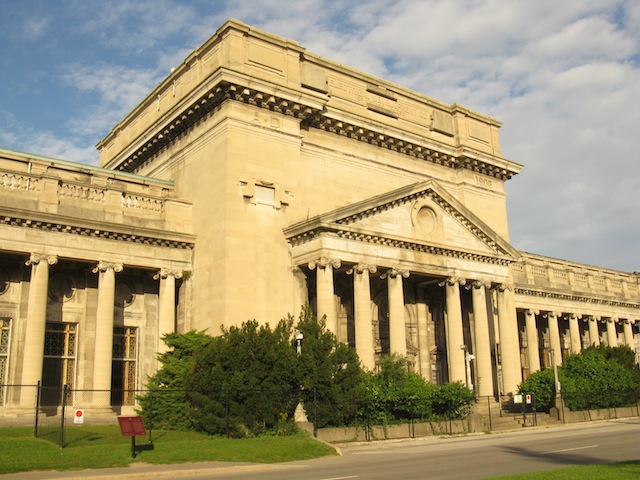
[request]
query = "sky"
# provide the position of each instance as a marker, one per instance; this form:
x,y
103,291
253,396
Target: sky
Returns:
x,y
563,77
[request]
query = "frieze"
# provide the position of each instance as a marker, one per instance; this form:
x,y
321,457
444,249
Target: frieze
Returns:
x,y
92,232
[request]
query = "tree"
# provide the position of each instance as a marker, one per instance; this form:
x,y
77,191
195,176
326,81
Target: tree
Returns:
x,y
598,377
245,381
329,371
166,405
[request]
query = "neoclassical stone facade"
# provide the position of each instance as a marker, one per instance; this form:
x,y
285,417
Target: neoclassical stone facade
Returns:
x,y
258,177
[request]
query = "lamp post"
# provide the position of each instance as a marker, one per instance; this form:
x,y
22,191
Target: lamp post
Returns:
x,y
300,415
467,364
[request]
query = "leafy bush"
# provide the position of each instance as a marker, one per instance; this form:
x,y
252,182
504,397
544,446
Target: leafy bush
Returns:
x,y
167,404
244,380
329,373
541,385
598,377
394,394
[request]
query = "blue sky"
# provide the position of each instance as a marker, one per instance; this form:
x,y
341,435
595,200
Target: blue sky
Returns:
x,y
562,76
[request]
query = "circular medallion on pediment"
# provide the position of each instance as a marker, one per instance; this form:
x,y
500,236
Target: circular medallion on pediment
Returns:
x,y
4,282
427,220
61,287
125,295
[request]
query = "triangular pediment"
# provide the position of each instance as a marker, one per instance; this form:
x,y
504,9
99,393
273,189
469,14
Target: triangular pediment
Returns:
x,y
422,216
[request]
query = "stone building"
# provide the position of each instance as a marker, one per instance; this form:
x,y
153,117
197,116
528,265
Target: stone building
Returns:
x,y
258,177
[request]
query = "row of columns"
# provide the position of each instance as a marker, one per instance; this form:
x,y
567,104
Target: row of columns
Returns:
x,y
574,335
456,348
37,316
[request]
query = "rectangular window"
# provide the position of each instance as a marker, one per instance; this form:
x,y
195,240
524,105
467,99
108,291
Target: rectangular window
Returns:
x,y
59,363
123,373
5,334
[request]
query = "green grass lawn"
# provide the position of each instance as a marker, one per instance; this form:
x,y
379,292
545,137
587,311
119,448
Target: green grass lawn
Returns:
x,y
104,446
613,471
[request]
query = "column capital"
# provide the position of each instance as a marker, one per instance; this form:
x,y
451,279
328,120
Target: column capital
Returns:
x,y
167,272
361,268
451,281
551,315
36,258
324,262
104,266
571,316
478,284
530,311
395,272
502,287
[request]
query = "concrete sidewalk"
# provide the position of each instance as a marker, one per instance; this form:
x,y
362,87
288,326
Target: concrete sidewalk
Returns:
x,y
145,470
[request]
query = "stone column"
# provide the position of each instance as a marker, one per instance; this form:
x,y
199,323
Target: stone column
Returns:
x,y
628,335
533,349
362,313
33,356
325,294
397,327
509,343
594,334
554,338
423,338
574,333
166,304
455,333
103,355
482,350
612,335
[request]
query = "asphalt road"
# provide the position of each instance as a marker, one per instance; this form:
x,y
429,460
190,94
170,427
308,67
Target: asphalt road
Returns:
x,y
470,457
473,457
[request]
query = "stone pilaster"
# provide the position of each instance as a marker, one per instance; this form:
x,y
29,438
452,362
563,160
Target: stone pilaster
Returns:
x,y
326,304
628,335
533,347
36,320
509,343
362,313
166,304
612,335
594,334
554,338
397,327
455,333
103,355
482,350
574,333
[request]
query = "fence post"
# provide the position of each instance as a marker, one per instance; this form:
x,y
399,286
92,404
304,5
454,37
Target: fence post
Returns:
x,y
315,412
150,415
227,414
64,407
489,409
35,428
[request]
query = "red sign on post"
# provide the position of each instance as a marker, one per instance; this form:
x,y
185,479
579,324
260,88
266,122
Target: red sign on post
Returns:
x,y
132,426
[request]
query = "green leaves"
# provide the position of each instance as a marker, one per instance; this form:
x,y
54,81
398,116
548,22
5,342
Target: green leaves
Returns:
x,y
599,377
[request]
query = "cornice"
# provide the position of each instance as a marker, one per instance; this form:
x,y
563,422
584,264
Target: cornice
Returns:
x,y
311,117
347,233
96,232
576,298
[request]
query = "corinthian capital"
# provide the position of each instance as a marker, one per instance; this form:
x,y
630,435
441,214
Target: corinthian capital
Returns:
x,y
104,266
167,272
36,258
361,268
324,262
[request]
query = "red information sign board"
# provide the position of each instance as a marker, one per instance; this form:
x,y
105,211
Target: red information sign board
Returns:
x,y
132,426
